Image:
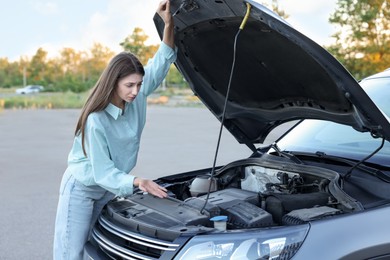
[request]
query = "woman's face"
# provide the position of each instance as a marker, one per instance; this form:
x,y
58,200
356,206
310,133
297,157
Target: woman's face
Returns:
x,y
127,89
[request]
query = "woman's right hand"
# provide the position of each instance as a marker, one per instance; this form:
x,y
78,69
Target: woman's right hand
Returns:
x,y
151,187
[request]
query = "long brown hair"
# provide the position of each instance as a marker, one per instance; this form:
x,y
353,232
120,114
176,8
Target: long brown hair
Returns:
x,y
120,66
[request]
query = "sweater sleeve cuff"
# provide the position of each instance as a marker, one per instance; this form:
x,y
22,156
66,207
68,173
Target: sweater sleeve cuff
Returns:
x,y
127,189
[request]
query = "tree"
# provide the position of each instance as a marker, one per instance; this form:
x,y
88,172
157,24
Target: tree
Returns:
x,y
37,67
70,60
14,75
4,64
95,64
24,63
363,40
135,43
276,8
81,69
54,74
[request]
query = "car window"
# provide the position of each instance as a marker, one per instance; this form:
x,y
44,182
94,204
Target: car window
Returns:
x,y
379,91
342,140
331,138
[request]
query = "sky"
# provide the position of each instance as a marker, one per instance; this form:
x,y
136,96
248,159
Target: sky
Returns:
x,y
26,25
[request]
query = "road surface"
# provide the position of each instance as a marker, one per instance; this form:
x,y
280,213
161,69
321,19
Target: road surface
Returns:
x,y
33,149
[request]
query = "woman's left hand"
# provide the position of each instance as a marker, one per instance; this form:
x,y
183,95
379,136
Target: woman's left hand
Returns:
x,y
151,187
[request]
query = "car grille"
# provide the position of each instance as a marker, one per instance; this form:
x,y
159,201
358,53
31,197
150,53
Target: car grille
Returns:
x,y
119,243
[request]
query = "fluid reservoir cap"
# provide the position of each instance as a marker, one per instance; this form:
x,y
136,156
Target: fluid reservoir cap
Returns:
x,y
219,218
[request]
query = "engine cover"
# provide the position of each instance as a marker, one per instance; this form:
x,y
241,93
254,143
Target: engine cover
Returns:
x,y
241,208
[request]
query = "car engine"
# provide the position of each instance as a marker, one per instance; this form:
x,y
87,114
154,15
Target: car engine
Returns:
x,y
253,193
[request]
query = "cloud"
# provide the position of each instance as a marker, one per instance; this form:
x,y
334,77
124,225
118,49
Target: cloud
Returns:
x,y
311,18
306,7
47,8
76,24
118,20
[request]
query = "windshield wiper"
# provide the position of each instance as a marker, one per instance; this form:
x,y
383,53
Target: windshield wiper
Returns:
x,y
285,154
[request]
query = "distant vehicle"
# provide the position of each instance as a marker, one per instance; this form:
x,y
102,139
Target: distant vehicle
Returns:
x,y
29,89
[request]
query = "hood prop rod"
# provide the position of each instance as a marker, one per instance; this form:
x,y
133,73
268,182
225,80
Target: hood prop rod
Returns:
x,y
243,23
349,173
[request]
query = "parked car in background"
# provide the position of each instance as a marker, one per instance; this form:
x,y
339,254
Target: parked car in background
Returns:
x,y
322,191
30,89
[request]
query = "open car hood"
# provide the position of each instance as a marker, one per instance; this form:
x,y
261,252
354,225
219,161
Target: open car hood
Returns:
x,y
279,76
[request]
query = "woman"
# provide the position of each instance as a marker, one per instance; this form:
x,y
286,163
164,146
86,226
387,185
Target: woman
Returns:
x,y
106,143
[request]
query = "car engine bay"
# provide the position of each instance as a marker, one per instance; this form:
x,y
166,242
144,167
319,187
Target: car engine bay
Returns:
x,y
252,193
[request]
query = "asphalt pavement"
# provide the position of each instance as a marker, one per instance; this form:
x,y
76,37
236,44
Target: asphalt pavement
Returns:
x,y
34,145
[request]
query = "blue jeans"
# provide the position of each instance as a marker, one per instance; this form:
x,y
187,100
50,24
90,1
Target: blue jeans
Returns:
x,y
78,209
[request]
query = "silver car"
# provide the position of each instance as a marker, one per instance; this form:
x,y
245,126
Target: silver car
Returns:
x,y
322,191
30,89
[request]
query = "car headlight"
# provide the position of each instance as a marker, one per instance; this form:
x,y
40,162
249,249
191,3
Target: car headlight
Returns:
x,y
272,243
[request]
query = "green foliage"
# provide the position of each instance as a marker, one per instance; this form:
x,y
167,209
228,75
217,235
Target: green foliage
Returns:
x,y
45,101
274,6
175,79
363,40
9,73
38,66
71,84
71,72
135,43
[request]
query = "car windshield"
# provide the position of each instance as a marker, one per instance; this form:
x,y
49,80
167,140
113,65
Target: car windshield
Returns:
x,y
340,140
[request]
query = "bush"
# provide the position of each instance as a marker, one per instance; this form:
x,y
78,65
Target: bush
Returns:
x,y
46,101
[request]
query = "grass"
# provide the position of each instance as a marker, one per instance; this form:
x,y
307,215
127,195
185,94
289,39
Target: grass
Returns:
x,y
62,100
43,100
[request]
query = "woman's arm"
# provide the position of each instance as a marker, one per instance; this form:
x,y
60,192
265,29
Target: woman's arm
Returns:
x,y
104,171
164,10
157,68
